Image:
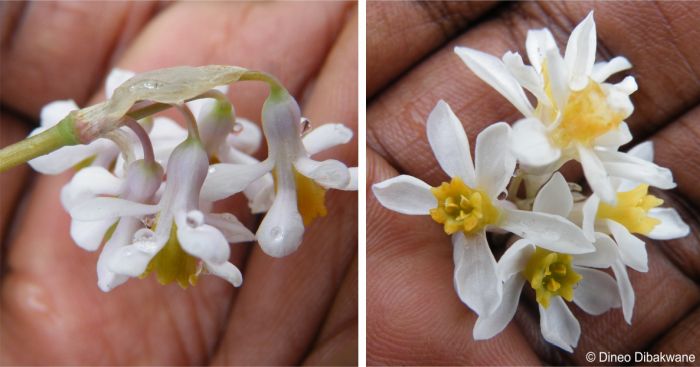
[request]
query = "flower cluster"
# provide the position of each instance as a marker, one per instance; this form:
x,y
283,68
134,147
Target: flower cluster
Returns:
x,y
146,188
566,240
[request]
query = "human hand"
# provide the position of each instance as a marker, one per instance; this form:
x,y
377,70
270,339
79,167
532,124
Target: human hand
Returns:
x,y
300,309
421,320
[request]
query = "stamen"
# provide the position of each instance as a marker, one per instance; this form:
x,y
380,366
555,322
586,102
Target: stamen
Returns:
x,y
551,274
632,210
474,212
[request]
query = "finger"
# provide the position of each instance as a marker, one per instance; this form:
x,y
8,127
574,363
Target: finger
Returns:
x,y
61,50
414,314
336,343
12,183
400,34
396,119
682,339
279,312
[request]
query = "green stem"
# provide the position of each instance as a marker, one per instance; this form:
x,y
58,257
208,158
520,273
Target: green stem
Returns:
x,y
60,135
276,87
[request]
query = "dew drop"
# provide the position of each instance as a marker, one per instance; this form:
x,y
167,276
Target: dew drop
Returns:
x,y
237,128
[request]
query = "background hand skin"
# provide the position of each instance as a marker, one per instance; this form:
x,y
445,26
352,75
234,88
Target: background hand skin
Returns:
x,y
300,309
414,314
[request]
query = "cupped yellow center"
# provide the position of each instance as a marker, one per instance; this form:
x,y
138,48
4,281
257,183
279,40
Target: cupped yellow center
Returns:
x,y
462,208
172,263
586,116
632,210
551,274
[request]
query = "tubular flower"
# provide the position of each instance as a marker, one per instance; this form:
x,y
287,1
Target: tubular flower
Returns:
x,y
556,277
578,115
468,205
181,240
299,181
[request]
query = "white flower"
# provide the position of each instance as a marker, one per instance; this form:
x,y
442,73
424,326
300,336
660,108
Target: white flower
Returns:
x,y
300,181
635,211
555,277
181,232
578,115
468,205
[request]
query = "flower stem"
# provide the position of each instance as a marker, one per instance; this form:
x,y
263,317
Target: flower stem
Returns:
x,y
191,121
143,138
60,135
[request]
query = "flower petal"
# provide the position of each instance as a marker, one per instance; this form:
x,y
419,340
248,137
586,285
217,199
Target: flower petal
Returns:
x,y
590,209
88,183
538,42
546,230
580,52
527,76
558,78
227,271
106,208
326,136
248,139
282,229
115,78
89,234
597,292
558,325
233,230
107,279
671,226
632,250
53,112
615,138
495,163
531,145
596,174
406,195
644,150
352,185
554,197
328,173
625,288
605,254
62,159
491,70
449,143
629,167
224,180
475,277
514,259
201,240
603,70
488,326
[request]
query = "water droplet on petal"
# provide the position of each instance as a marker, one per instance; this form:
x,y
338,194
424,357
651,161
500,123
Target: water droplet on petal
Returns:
x,y
195,218
144,235
237,127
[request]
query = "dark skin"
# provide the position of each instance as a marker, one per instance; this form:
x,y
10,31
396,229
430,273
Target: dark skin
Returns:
x,y
414,314
299,309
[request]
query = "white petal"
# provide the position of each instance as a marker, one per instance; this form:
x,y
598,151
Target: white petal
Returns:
x,y
107,279
89,234
597,292
115,78
475,277
449,143
88,183
538,42
495,163
636,169
603,70
488,326
671,226
282,229
328,173
558,78
201,240
526,75
625,289
632,250
406,195
627,86
105,208
224,180
514,259
590,209
580,52
554,197
227,271
596,174
53,112
260,194
248,139
605,254
558,325
644,150
615,138
352,185
531,145
326,136
492,71
618,96
62,159
233,230
546,230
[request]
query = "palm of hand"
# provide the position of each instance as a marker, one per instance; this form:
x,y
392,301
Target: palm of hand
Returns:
x,y
420,320
301,308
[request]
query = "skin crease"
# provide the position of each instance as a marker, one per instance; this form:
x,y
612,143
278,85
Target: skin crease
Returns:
x,y
414,314
300,309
